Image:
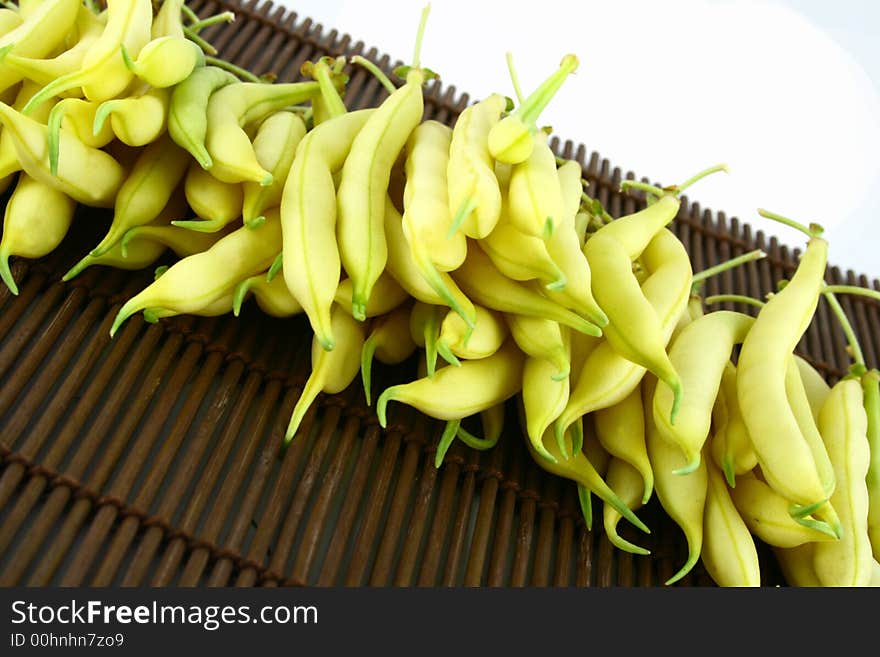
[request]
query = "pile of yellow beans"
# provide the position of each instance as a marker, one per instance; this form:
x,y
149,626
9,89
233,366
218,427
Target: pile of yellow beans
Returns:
x,y
471,250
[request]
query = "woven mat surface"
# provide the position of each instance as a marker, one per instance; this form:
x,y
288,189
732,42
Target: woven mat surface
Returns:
x,y
153,458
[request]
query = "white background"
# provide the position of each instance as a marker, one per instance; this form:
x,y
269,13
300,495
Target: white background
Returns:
x,y
786,92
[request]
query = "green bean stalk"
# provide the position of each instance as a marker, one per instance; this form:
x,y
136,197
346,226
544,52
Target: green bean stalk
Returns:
x,y
365,177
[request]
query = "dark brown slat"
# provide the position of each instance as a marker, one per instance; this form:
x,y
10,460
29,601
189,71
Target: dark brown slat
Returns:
x,y
547,514
26,408
383,567
528,501
125,479
60,495
437,537
584,557
329,488
345,523
170,561
498,561
29,289
196,501
569,521
483,524
13,475
225,501
160,467
19,337
314,477
357,570
458,533
267,524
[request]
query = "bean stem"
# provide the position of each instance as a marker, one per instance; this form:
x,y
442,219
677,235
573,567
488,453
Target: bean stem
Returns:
x,y
751,256
853,289
852,340
199,41
474,442
734,298
191,16
238,71
675,189
702,174
585,499
275,267
514,79
377,72
323,72
643,186
813,230
222,17
417,49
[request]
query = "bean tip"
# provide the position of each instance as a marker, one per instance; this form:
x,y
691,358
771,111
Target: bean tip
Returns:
x,y
692,464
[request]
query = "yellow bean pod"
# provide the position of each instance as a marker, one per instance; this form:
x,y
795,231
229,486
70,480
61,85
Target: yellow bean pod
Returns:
x,y
216,203
799,403
535,194
136,120
275,145
628,484
400,264
729,553
683,497
786,459
88,175
576,466
543,399
474,194
844,425
635,329
35,221
481,281
699,355
10,164
196,280
103,73
389,342
312,264
165,61
272,297
621,431
565,249
364,179
454,393
765,513
608,377
332,371
487,336
522,257
156,174
729,444
426,214
231,109
142,246
389,295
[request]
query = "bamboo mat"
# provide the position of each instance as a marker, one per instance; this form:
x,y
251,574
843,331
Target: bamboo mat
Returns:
x,y
152,459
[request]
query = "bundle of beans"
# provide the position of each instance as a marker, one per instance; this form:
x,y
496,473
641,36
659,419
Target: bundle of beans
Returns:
x,y
472,249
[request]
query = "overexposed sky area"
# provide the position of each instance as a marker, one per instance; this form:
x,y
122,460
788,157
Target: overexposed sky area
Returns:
x,y
786,92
